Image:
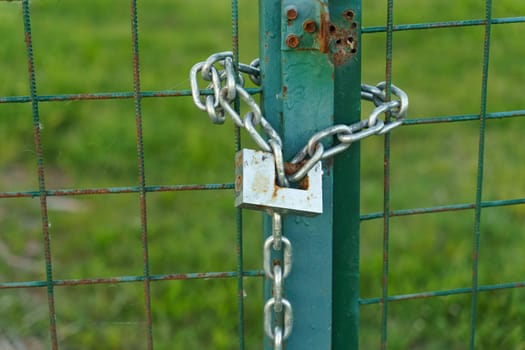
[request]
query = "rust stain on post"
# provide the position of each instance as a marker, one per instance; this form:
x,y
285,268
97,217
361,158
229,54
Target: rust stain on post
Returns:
x,y
343,38
291,13
292,41
309,26
324,38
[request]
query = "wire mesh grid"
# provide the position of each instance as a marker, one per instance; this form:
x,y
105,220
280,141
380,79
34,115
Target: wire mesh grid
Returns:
x,y
477,206
142,188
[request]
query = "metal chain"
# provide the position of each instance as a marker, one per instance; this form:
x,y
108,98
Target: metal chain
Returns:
x,y
278,312
226,85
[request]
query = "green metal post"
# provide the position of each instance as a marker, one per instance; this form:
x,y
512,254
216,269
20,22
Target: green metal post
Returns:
x,y
347,110
307,95
298,101
310,61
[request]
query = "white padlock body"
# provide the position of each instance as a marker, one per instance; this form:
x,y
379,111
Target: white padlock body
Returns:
x,y
256,186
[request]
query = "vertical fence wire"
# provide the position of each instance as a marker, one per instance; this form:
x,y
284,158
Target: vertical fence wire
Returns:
x,y
41,173
386,172
141,171
479,177
238,211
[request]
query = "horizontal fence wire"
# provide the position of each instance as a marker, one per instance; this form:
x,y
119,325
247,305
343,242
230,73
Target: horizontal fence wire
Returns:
x,y
444,208
443,293
118,190
109,95
127,279
446,24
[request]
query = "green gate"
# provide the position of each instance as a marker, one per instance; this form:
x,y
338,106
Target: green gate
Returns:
x,y
116,195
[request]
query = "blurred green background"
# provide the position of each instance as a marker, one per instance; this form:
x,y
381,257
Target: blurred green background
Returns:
x,y
86,47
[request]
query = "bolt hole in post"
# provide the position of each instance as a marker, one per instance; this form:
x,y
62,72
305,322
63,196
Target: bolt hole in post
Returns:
x,y
349,14
351,43
343,38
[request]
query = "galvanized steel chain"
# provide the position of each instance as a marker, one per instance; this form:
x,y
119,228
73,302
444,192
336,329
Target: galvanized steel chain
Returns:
x,y
278,312
226,85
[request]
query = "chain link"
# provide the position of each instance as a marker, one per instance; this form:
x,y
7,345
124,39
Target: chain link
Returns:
x,y
278,312
226,85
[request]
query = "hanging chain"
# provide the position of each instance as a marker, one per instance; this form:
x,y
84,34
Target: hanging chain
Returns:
x,y
278,313
226,85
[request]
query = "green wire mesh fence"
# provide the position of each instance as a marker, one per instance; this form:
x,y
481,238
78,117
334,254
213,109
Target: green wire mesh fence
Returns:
x,y
151,297
98,327
424,323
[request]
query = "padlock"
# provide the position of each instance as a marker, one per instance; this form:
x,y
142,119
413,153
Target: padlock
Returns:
x,y
256,186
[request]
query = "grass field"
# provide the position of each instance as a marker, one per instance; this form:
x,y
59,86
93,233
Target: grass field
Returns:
x,y
85,47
